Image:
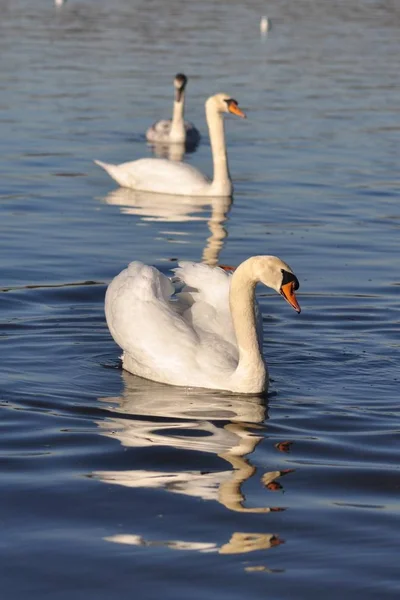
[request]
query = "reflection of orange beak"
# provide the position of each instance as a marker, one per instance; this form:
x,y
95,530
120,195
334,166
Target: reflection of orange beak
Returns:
x,y
235,110
287,291
276,541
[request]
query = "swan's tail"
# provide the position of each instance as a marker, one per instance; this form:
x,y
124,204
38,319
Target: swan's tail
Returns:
x,y
112,170
120,173
103,165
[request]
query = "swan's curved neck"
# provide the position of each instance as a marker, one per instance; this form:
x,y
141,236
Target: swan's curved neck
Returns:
x,y
221,183
177,131
251,372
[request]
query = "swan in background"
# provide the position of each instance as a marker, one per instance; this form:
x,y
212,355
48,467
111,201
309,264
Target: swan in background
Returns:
x,y
207,335
168,177
175,130
265,25
178,209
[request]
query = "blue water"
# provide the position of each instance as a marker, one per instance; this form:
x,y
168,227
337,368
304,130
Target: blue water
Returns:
x,y
114,486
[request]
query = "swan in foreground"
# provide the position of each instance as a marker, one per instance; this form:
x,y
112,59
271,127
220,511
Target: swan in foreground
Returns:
x,y
168,177
175,130
204,336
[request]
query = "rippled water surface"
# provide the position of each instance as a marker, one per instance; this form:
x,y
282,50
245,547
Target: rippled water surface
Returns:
x,y
116,487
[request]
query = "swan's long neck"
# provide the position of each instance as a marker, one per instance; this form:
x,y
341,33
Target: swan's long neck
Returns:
x,y
251,372
221,183
177,132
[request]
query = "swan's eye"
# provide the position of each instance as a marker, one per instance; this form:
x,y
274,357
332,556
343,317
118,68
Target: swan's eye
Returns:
x,y
290,277
230,101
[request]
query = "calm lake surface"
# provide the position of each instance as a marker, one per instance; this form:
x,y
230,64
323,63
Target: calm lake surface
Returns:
x,y
116,487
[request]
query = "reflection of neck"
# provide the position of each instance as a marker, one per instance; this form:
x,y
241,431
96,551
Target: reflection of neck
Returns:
x,y
219,210
251,371
177,132
230,493
221,183
176,151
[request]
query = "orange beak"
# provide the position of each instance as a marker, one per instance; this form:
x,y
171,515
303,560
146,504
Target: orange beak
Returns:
x,y
235,110
287,292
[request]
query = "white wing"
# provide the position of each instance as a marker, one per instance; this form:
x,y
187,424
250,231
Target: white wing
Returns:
x,y
172,341
143,322
206,294
206,297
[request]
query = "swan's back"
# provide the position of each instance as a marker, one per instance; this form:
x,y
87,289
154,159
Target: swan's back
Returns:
x,y
206,294
159,175
160,132
136,285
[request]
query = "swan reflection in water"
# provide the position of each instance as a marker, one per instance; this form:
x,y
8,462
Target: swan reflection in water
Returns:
x,y
178,209
174,152
240,543
228,426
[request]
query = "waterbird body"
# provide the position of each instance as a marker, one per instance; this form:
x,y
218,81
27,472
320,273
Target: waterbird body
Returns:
x,y
205,335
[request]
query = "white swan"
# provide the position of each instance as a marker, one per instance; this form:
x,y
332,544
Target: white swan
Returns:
x,y
175,130
204,337
168,177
